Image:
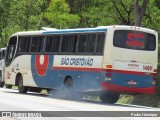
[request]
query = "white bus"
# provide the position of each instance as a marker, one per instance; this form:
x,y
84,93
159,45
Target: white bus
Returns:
x,y
106,61
2,57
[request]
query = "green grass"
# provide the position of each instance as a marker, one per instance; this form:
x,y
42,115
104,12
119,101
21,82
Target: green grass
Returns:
x,y
143,100
15,87
126,99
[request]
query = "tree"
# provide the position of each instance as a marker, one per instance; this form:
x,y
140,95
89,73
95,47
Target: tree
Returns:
x,y
139,11
4,19
93,13
124,11
58,15
157,2
26,14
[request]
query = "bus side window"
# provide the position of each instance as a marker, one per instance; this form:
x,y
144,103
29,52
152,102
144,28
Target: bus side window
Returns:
x,y
55,46
72,44
65,43
40,44
100,43
37,44
87,43
49,44
69,43
24,43
82,43
34,44
52,44
90,43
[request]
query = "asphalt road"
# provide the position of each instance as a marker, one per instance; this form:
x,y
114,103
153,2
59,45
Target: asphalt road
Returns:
x,y
59,108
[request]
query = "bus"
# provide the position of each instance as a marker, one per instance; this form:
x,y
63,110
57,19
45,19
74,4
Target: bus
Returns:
x,y
2,57
105,61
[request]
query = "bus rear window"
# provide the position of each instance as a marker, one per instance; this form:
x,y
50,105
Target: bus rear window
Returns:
x,y
134,40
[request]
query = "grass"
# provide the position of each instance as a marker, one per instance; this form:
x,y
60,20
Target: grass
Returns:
x,y
143,100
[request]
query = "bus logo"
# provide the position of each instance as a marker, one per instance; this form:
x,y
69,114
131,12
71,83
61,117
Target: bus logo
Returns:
x,y
135,40
41,64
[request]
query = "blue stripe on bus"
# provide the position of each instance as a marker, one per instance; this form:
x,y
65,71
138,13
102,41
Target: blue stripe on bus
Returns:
x,y
87,80
74,31
123,79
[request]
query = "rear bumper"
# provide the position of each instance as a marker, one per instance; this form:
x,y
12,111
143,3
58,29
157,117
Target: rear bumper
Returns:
x,y
123,89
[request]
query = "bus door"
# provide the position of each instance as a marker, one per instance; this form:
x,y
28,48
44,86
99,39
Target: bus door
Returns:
x,y
10,53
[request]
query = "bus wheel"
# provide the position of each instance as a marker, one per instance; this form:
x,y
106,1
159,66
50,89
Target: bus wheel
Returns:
x,y
21,88
108,97
1,84
68,84
8,86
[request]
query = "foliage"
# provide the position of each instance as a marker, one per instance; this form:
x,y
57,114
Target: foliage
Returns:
x,y
58,15
20,15
26,14
4,19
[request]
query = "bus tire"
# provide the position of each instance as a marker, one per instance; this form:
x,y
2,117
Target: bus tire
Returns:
x,y
1,83
68,85
8,86
21,88
108,97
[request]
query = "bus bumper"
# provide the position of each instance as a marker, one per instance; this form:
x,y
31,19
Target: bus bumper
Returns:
x,y
124,89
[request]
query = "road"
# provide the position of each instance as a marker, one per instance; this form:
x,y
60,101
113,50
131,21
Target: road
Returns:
x,y
11,100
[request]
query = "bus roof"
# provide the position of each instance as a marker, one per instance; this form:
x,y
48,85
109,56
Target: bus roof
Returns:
x,y
46,31
61,31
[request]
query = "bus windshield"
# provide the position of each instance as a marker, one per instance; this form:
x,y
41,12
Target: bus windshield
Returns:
x,y
134,40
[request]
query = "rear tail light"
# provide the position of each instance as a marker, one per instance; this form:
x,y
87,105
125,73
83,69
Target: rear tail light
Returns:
x,y
108,73
108,66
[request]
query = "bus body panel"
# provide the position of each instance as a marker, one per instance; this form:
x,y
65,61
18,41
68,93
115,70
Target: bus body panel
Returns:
x,y
84,78
21,64
117,70
59,66
131,69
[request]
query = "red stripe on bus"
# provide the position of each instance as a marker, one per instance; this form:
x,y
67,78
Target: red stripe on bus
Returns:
x,y
123,89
